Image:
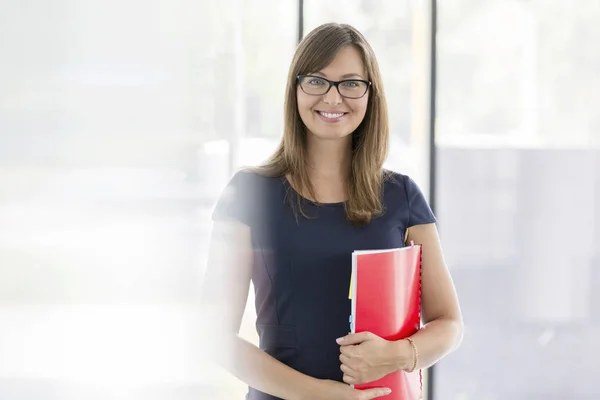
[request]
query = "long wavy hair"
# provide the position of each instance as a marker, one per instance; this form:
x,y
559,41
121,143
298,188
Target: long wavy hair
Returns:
x,y
370,140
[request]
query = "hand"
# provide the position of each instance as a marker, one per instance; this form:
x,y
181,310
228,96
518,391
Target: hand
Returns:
x,y
366,357
333,390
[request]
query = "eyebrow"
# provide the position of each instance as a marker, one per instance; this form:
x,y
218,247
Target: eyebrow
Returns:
x,y
345,76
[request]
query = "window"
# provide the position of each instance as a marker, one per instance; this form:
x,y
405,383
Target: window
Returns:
x,y
117,125
249,68
518,199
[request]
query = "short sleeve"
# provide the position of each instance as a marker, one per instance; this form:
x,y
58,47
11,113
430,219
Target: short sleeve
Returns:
x,y
419,210
235,201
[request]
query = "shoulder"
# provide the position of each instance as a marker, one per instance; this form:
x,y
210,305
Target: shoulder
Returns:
x,y
402,192
246,176
249,179
393,177
249,186
242,196
397,181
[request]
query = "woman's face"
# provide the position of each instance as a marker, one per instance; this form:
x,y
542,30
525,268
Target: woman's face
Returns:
x,y
332,116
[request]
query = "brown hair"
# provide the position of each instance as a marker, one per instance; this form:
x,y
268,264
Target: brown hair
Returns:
x,y
369,140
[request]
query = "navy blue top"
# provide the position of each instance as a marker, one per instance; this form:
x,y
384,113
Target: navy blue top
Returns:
x,y
302,267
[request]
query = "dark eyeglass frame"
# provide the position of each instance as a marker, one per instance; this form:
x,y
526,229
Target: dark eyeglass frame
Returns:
x,y
333,83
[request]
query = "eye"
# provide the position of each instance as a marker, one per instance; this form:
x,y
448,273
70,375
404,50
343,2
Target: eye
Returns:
x,y
352,84
316,82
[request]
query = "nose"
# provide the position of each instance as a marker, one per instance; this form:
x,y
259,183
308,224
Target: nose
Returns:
x,y
332,97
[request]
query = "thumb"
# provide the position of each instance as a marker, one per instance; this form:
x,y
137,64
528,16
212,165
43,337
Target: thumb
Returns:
x,y
368,394
353,338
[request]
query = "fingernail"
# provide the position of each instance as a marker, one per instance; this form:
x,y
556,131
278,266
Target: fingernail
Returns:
x,y
388,391
339,340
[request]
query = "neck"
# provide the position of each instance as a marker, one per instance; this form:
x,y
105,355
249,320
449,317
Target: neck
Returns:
x,y
329,159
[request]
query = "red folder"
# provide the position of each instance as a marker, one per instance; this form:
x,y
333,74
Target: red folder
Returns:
x,y
386,300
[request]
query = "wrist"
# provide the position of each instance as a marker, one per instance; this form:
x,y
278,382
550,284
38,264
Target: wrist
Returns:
x,y
403,355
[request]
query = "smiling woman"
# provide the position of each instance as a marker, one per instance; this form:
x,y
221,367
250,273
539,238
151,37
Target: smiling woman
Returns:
x,y
291,225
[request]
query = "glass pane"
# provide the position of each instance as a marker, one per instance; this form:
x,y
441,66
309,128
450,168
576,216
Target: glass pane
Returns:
x,y
254,77
398,31
110,161
250,61
518,133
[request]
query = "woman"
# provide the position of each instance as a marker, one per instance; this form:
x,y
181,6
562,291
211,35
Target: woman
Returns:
x,y
291,225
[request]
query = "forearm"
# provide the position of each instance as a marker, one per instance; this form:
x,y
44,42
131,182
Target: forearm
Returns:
x,y
262,372
433,341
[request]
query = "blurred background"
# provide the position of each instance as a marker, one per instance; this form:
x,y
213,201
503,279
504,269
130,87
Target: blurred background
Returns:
x,y
121,121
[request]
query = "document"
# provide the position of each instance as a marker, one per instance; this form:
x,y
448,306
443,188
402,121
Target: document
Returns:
x,y
385,290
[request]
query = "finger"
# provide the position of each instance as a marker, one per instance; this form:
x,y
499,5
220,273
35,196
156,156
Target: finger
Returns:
x,y
348,371
344,359
354,338
348,379
347,351
374,393
349,362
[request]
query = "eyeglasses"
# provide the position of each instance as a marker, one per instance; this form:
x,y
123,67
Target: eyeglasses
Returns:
x,y
319,86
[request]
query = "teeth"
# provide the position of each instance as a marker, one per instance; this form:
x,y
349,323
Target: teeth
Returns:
x,y
331,115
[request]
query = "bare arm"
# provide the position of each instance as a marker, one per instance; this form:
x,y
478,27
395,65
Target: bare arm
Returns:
x,y
442,318
225,294
224,298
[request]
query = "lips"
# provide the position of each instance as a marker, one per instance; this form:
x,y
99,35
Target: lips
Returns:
x,y
331,116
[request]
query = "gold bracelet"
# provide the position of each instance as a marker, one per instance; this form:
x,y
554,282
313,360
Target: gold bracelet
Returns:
x,y
415,354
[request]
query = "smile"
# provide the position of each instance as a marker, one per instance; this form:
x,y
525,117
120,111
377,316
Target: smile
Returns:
x,y
331,116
